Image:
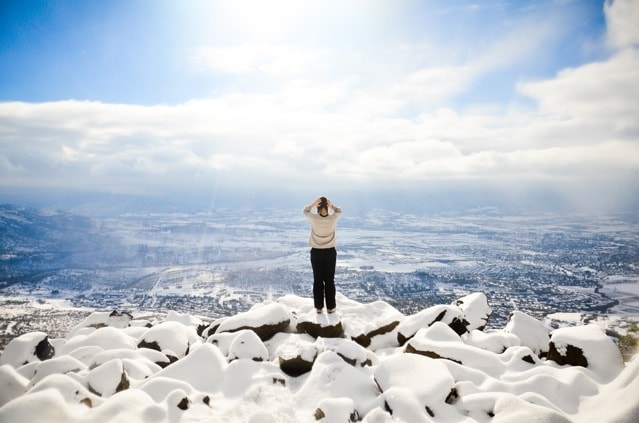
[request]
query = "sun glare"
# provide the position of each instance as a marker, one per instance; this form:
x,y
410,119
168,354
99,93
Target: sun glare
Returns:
x,y
263,20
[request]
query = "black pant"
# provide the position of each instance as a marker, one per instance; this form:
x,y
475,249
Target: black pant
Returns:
x,y
323,261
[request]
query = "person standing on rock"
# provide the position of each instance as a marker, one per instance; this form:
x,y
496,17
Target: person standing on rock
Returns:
x,y
323,252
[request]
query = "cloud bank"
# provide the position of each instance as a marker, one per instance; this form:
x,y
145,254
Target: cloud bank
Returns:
x,y
298,118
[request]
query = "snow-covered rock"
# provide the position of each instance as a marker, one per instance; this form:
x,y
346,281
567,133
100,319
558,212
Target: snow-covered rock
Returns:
x,y
203,369
371,325
27,348
440,341
352,352
13,384
109,378
494,341
107,338
423,381
264,319
586,346
296,354
530,331
247,345
171,336
448,314
475,309
57,365
101,319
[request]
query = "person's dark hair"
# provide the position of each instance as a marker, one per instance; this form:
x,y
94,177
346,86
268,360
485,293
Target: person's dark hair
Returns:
x,y
323,207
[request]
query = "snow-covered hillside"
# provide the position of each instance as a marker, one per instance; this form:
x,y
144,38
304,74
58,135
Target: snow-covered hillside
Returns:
x,y
282,362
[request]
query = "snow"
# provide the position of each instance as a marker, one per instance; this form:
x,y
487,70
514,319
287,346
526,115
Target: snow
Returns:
x,y
600,351
99,371
531,332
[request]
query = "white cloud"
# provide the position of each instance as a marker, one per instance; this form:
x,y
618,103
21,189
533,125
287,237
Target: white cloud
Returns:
x,y
621,18
345,116
603,92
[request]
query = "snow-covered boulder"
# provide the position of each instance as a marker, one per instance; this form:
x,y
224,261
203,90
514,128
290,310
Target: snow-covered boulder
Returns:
x,y
170,336
203,369
493,341
586,346
13,384
27,348
151,359
264,319
183,318
440,341
223,341
475,310
101,319
107,379
56,365
530,331
85,353
414,388
448,314
353,353
72,390
295,353
247,345
332,377
367,324
107,338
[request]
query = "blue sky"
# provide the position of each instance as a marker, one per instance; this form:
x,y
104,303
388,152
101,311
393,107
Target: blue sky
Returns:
x,y
158,97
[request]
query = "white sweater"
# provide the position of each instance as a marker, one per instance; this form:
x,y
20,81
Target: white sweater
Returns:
x,y
322,228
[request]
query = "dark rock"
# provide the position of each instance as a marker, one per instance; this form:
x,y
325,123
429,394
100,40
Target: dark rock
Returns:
x,y
296,366
430,412
432,354
255,319
452,397
317,330
574,356
201,328
151,345
124,383
44,350
183,404
365,339
460,326
265,332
